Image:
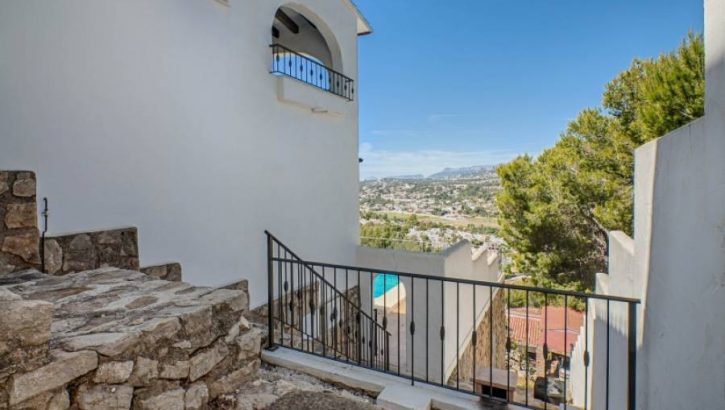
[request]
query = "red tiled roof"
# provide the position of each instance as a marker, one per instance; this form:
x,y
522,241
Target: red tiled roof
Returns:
x,y
554,318
517,323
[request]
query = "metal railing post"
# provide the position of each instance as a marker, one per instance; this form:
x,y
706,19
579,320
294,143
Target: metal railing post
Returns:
x,y
632,356
44,214
270,293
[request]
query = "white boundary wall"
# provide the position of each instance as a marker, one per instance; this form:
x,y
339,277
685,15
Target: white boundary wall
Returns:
x,y
675,263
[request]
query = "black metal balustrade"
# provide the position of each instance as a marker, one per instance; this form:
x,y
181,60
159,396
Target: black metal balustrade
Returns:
x,y
310,313
339,312
292,64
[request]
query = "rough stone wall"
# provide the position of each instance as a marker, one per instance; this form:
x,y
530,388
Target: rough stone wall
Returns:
x,y
18,221
483,343
117,339
83,251
296,305
347,331
169,271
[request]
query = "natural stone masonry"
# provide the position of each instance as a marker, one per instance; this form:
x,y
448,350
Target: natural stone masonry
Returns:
x,y
167,271
20,238
19,235
82,251
482,346
120,339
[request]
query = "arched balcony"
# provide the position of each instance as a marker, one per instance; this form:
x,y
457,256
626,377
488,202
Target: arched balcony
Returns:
x,y
305,49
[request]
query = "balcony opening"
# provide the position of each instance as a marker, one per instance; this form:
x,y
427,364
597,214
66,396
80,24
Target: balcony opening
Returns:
x,y
304,48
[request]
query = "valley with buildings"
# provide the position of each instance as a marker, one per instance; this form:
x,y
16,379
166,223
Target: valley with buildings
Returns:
x,y
431,213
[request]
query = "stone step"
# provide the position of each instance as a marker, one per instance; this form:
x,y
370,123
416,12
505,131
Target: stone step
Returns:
x,y
119,336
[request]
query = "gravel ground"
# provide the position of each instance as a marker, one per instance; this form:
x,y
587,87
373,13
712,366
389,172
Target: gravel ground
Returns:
x,y
279,388
319,401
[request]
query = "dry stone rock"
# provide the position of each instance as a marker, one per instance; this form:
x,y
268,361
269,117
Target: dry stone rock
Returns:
x,y
235,300
196,397
60,401
169,271
25,321
24,187
80,255
64,368
173,272
113,372
6,295
21,216
107,344
255,401
97,249
142,302
249,344
53,256
184,344
177,370
109,238
197,325
161,328
241,326
37,402
103,396
228,383
167,400
3,182
6,267
203,362
144,372
24,245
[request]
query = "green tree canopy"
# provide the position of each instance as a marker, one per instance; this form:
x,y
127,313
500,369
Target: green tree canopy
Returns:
x,y
555,210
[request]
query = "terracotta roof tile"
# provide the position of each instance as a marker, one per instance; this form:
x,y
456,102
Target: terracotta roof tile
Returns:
x,y
554,338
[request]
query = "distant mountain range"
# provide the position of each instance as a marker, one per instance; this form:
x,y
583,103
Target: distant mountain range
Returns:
x,y
445,174
466,172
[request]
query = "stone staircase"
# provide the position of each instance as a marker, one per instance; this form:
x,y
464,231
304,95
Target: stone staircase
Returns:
x,y
119,339
96,331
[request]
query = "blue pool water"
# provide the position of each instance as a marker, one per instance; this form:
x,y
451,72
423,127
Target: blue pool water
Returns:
x,y
383,283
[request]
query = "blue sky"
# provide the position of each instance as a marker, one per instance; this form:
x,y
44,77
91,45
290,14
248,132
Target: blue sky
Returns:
x,y
475,82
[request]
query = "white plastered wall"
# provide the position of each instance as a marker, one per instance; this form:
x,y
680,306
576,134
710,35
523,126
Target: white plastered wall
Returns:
x,y
676,261
163,115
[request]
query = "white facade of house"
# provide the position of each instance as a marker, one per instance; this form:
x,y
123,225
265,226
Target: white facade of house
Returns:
x,y
675,263
164,115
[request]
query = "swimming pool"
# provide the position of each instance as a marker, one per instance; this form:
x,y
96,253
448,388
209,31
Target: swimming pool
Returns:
x,y
383,283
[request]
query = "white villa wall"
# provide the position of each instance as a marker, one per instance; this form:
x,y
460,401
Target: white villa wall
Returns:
x,y
455,262
163,114
676,262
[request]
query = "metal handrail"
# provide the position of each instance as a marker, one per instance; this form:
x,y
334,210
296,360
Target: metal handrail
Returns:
x,y
532,289
448,307
309,71
359,326
308,266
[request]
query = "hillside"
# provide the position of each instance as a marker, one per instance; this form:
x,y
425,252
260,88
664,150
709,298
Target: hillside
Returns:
x,y
430,213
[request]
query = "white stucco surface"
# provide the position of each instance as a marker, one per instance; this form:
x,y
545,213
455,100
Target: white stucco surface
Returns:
x,y
675,263
163,115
